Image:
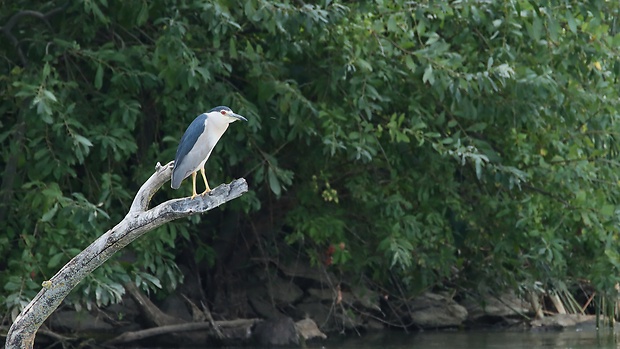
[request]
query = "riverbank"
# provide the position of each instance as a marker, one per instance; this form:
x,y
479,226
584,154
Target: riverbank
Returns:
x,y
289,304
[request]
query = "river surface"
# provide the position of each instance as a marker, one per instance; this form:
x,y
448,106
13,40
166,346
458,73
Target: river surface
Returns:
x,y
566,339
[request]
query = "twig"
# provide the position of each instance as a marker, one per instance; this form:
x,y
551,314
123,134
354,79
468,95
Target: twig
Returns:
x,y
156,331
216,328
551,195
583,309
54,335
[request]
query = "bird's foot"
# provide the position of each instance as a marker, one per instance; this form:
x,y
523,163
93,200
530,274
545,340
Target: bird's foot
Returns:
x,y
205,192
193,196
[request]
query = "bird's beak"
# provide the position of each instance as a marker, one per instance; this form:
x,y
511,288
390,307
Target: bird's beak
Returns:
x,y
240,117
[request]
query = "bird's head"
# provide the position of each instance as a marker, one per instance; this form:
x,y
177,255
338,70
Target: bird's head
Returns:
x,y
225,113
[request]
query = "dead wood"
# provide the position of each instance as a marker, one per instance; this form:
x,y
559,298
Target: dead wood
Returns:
x,y
216,328
190,326
151,312
138,221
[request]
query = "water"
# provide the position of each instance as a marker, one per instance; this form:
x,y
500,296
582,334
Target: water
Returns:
x,y
567,339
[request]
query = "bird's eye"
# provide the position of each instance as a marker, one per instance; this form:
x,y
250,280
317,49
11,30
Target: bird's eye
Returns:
x,y
223,112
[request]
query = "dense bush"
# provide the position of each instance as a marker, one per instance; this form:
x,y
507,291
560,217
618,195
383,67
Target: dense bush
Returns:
x,y
460,144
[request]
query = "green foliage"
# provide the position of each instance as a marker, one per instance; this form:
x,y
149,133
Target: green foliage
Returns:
x,y
469,142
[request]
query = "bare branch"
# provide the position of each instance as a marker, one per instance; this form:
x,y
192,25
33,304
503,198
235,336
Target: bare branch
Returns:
x,y
7,28
190,326
143,197
138,221
149,310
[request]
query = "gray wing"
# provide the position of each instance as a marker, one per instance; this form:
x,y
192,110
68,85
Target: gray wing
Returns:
x,y
185,164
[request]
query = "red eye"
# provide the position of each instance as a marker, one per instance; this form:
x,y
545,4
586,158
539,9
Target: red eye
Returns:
x,y
223,112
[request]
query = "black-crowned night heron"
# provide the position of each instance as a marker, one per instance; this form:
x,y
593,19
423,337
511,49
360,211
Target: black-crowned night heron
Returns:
x,y
197,144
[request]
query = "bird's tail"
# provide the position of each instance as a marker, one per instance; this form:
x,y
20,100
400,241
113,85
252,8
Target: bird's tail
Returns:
x,y
175,181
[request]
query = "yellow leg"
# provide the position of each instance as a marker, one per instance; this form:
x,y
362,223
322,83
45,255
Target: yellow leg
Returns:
x,y
194,185
202,172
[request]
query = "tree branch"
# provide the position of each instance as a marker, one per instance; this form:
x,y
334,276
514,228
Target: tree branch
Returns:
x,y
149,310
189,326
138,221
7,28
10,170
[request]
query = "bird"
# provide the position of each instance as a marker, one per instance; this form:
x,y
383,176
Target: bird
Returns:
x,y
197,143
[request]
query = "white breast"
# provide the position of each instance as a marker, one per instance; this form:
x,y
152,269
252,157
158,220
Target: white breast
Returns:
x,y
214,129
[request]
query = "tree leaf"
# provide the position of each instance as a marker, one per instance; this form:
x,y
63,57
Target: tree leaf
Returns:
x,y
47,216
55,260
608,210
428,75
99,77
50,95
83,140
572,24
274,184
410,63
